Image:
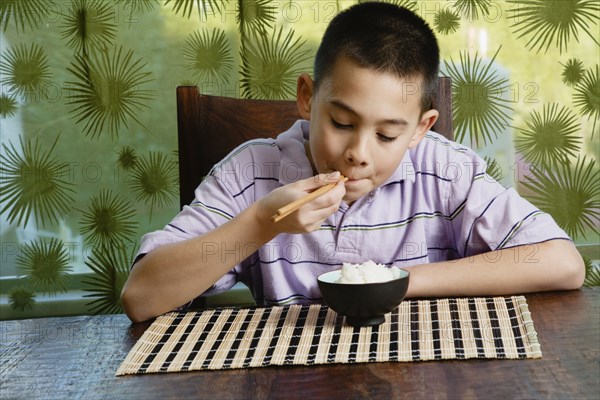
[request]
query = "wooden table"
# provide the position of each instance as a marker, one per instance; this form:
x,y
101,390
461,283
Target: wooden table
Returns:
x,y
76,358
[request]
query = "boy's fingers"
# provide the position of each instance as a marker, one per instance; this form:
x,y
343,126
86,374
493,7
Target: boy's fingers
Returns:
x,y
332,177
320,180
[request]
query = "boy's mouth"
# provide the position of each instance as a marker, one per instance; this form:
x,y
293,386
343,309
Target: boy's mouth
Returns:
x,y
352,178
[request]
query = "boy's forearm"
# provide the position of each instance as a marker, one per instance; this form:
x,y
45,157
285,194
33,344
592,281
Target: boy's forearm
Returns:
x,y
553,265
173,274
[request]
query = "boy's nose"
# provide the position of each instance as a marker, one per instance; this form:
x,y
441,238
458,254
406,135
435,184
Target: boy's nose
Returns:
x,y
356,152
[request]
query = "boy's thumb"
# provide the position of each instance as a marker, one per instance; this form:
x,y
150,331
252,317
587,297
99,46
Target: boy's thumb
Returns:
x,y
320,180
332,177
325,179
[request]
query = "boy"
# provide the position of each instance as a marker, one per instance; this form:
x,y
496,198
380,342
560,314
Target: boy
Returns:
x,y
413,199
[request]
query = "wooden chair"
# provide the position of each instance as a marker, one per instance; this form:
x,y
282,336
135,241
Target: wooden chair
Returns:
x,y
209,127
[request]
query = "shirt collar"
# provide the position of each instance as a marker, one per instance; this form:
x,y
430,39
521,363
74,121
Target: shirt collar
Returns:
x,y
294,164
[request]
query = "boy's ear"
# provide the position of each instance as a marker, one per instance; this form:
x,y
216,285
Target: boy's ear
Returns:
x,y
304,95
427,120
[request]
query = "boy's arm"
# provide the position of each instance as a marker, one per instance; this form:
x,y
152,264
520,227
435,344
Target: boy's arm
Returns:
x,y
552,265
173,274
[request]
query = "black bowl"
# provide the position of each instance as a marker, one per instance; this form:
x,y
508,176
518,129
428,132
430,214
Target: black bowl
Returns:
x,y
363,304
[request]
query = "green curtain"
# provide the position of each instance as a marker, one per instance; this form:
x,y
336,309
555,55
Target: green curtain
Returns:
x,y
88,157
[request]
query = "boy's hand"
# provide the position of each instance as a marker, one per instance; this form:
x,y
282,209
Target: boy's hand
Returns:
x,y
311,215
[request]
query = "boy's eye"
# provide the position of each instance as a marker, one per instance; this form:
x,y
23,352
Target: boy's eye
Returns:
x,y
340,126
384,138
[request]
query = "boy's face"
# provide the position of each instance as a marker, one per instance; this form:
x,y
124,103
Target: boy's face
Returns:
x,y
361,123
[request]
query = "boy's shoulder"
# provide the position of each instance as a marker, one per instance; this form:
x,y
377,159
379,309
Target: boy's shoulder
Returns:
x,y
266,149
247,155
451,163
281,159
436,149
435,144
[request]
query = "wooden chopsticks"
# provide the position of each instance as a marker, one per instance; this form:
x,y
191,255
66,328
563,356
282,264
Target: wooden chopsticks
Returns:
x,y
294,205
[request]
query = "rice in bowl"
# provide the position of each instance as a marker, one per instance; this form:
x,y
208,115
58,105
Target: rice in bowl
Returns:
x,y
368,272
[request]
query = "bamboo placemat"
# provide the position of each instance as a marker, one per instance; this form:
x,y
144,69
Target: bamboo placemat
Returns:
x,y
418,330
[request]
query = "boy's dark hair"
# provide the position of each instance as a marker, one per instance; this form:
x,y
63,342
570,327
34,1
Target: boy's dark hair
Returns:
x,y
384,37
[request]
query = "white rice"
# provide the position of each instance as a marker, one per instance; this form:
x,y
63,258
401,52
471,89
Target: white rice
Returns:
x,y
368,272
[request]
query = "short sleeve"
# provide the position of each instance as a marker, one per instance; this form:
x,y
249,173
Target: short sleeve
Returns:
x,y
494,217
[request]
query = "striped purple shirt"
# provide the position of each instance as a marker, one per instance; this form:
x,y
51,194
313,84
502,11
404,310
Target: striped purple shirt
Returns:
x,y
438,205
